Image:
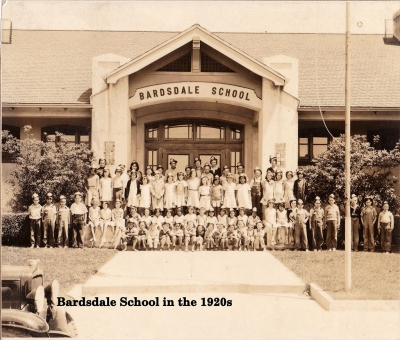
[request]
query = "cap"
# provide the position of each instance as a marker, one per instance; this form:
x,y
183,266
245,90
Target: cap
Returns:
x,y
317,198
170,175
231,209
149,167
207,165
257,169
271,200
225,167
35,196
254,209
123,165
117,200
216,177
156,172
211,209
173,161
178,209
197,160
242,209
239,164
78,194
386,202
271,158
92,166
160,167
299,171
279,170
331,196
62,197
300,201
118,170
229,175
132,207
187,167
49,195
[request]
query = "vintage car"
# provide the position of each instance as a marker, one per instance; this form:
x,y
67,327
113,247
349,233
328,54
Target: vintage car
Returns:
x,y
29,309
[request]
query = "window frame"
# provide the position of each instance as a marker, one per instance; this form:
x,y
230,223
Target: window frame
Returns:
x,y
79,131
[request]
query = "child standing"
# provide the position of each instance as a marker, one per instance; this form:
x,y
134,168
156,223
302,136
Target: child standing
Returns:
x,y
270,221
94,218
282,222
216,195
170,192
211,218
132,191
209,236
355,212
204,193
242,236
300,228
118,185
157,191
288,188
222,218
79,212
368,218
49,215
229,193
142,235
385,227
279,187
200,236
35,220
105,221
63,223
92,185
208,174
316,225
157,219
117,217
256,189
292,221
153,235
243,193
268,191
105,185
193,189
232,219
242,216
181,191
190,235
332,222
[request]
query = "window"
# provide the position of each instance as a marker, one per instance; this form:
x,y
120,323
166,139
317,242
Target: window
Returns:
x,y
210,132
303,147
152,132
178,131
387,138
15,131
319,145
236,133
235,158
71,134
152,159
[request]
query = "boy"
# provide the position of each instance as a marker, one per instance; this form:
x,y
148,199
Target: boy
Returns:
x,y
253,219
220,237
332,223
153,236
200,236
179,218
79,212
158,219
209,236
132,232
142,235
355,213
35,217
208,174
231,237
165,237
211,218
63,223
190,235
242,236
177,235
300,228
223,218
250,236
105,221
385,227
49,215
191,216
259,237
242,216
368,218
316,225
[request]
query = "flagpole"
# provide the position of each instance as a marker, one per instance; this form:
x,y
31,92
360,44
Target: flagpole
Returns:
x,y
347,157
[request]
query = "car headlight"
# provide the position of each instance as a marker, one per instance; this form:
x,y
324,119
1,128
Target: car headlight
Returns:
x,y
52,292
37,295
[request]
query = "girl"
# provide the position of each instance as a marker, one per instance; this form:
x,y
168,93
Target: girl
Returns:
x,y
279,188
199,169
105,221
102,165
191,216
179,218
242,236
242,216
220,237
142,236
94,219
214,169
117,216
135,167
106,187
132,232
153,235
259,237
232,219
149,173
229,193
268,191
181,191
270,220
222,218
132,191
177,236
118,185
385,227
169,218
165,237
193,189
256,189
188,171
209,236
288,185
145,195
250,236
190,235
157,191
92,186
231,237
243,193
211,218
170,192
201,217
204,194
146,218
291,213
216,191
208,174
224,176
157,219
200,236
132,216
282,222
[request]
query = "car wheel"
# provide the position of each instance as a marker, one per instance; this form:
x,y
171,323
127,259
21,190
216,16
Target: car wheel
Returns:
x,y
11,332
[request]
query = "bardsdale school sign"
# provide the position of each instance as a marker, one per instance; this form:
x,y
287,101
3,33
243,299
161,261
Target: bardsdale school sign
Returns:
x,y
195,91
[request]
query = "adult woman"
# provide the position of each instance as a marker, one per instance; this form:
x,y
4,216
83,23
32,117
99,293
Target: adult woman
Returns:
x,y
215,170
288,188
92,186
135,167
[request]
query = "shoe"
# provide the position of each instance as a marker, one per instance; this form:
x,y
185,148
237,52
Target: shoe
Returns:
x,y
65,247
315,249
101,244
173,249
186,249
330,250
160,249
319,250
265,249
240,248
334,249
245,249
135,249
307,250
32,246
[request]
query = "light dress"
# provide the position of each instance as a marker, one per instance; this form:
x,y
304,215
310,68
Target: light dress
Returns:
x,y
193,192
244,199
205,200
229,196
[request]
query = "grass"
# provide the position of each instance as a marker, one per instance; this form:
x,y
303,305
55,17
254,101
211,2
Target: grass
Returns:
x,y
68,266
375,276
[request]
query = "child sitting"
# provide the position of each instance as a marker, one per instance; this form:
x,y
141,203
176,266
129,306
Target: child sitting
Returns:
x,y
177,236
259,237
231,237
220,237
270,220
132,233
222,218
117,216
211,218
282,222
190,235
105,221
165,237
153,236
250,236
242,236
242,215
209,236
200,236
142,236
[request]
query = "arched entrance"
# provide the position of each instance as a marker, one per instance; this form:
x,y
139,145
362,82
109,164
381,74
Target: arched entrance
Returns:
x,y
186,139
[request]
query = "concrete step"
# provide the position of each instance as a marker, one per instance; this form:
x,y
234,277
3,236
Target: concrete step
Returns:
x,y
192,272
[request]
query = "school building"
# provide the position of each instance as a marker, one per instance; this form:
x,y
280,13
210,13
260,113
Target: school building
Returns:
x,y
152,96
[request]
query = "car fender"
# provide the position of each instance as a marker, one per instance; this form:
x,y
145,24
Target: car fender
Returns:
x,y
25,320
59,325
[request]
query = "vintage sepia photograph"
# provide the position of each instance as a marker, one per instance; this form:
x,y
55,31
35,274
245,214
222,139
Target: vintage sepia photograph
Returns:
x,y
200,169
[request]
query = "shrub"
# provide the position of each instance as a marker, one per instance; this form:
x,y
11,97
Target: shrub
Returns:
x,y
15,229
54,166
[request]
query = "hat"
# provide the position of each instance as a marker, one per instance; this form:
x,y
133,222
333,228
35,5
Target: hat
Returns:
x,y
92,166
187,167
331,196
254,209
49,195
117,200
78,194
242,209
202,208
123,165
225,167
216,177
178,209
173,161
229,175
35,196
317,198
132,207
299,171
197,160
271,158
279,170
212,158
231,209
149,167
170,174
300,201
353,196
160,167
156,172
211,209
239,164
271,200
257,169
386,202
118,170
62,197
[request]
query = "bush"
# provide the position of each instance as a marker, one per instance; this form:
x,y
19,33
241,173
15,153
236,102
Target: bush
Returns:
x,y
54,166
15,229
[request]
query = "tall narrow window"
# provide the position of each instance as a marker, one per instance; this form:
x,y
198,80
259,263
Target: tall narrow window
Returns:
x,y
152,158
235,158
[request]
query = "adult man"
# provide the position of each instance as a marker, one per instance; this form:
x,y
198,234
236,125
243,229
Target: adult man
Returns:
x,y
300,187
172,168
332,222
355,212
240,171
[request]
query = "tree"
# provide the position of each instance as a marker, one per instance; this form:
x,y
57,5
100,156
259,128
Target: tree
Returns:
x,y
371,172
54,166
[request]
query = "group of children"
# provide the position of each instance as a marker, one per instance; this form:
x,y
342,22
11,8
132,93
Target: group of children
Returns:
x,y
180,209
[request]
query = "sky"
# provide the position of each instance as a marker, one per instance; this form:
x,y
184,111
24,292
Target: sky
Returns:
x,y
367,17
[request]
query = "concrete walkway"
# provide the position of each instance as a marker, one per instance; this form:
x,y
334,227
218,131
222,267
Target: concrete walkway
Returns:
x,y
180,272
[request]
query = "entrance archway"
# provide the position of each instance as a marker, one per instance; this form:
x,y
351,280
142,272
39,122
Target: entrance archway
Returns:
x,y
186,139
